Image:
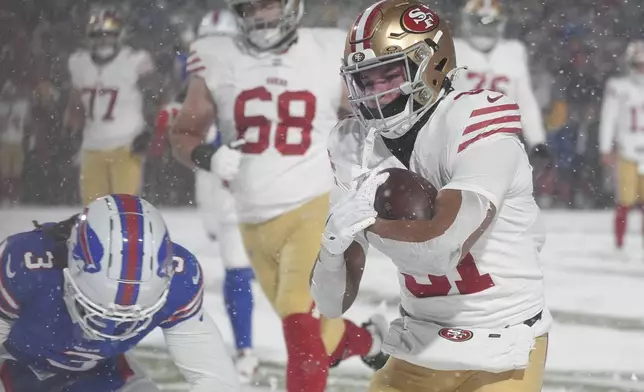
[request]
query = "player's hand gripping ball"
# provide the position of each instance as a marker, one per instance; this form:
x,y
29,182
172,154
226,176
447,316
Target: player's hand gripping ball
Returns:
x,y
405,195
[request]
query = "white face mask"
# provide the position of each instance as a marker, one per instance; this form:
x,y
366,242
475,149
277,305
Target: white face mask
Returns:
x,y
484,44
265,38
105,51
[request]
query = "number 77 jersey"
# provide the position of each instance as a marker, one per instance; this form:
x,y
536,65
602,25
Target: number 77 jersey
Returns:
x,y
111,96
284,106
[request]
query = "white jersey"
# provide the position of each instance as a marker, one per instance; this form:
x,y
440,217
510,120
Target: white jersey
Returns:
x,y
504,69
13,118
500,281
622,118
111,96
284,106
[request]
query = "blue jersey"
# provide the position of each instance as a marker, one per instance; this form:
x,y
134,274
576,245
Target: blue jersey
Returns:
x,y
43,335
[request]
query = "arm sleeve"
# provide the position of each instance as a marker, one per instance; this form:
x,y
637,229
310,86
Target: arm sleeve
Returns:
x,y
531,117
198,350
609,113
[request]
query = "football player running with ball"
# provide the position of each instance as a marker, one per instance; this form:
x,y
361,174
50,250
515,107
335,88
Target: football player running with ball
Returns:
x,y
77,295
274,94
473,315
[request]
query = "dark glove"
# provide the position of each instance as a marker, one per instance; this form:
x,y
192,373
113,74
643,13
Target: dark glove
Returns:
x,y
141,143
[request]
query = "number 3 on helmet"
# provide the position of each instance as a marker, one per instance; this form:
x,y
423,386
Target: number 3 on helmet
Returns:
x,y
119,267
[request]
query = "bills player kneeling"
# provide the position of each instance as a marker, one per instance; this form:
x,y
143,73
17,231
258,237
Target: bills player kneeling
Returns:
x,y
77,295
473,315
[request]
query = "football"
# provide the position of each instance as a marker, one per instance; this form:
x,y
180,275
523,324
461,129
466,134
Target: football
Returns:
x,y
405,196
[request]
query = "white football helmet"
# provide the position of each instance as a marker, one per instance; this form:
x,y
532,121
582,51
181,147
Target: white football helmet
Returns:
x,y
635,60
218,22
268,25
119,267
483,23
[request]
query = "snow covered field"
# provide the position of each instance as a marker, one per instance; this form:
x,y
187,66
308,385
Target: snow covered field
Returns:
x,y
597,299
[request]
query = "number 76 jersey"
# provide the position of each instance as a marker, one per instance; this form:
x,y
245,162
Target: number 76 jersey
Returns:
x,y
284,106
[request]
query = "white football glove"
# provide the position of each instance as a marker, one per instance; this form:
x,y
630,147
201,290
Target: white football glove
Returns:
x,y
352,214
226,161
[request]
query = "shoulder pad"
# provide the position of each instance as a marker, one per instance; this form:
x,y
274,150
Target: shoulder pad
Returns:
x,y
207,52
186,290
481,114
24,256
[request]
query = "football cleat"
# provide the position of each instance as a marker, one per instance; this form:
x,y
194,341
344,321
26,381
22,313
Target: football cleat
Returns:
x,y
378,327
246,364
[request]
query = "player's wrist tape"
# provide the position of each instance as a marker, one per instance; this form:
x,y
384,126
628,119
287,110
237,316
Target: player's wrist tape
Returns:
x,y
202,155
327,288
331,262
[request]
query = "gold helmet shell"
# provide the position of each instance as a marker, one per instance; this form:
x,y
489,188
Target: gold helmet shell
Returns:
x,y
405,31
105,32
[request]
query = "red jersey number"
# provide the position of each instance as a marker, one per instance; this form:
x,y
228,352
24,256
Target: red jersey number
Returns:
x,y
471,281
495,83
111,94
287,121
637,123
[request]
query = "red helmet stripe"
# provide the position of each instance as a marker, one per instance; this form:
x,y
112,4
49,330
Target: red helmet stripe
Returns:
x,y
364,27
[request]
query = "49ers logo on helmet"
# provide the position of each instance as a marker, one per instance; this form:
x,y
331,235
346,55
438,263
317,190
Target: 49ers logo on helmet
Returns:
x,y
456,334
419,19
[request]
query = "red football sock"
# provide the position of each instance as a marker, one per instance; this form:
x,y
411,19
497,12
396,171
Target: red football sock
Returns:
x,y
307,364
621,213
355,341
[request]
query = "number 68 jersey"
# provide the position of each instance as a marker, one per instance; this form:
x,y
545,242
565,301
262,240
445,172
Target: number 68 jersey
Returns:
x,y
284,106
469,144
111,96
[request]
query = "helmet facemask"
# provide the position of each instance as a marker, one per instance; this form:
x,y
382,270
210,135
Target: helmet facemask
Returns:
x,y
104,33
114,322
483,30
268,25
104,45
388,92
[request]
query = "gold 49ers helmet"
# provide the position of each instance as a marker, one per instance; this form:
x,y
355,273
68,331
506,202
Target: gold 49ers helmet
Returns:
x,y
398,61
105,32
483,23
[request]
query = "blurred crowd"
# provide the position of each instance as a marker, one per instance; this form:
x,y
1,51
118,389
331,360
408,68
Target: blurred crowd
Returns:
x,y
574,45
